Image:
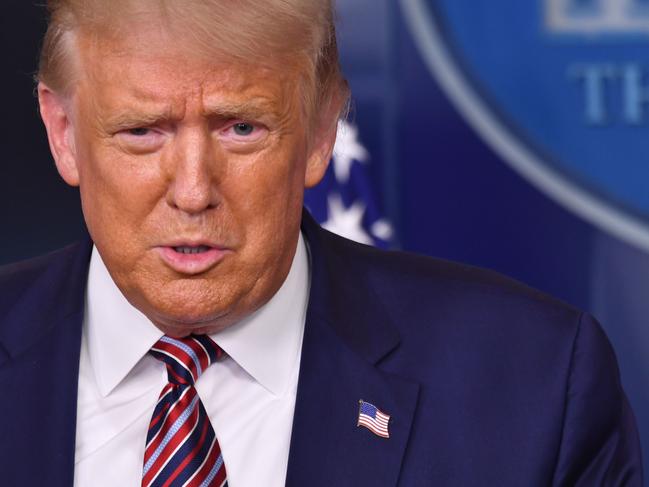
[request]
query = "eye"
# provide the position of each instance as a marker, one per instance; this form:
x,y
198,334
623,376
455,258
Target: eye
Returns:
x,y
139,131
240,135
140,140
243,129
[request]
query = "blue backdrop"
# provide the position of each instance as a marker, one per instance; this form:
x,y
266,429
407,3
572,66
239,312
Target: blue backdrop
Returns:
x,y
558,80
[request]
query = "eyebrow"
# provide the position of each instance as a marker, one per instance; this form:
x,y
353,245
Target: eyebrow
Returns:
x,y
245,111
250,109
132,119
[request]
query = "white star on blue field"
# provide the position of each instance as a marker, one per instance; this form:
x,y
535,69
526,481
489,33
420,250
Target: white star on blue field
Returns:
x,y
345,201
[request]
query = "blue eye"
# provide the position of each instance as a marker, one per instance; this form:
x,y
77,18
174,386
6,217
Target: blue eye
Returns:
x,y
243,129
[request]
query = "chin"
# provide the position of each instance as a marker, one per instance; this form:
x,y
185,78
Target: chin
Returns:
x,y
200,306
182,316
180,330
179,325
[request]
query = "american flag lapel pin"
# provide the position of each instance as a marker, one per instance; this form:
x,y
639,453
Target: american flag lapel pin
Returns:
x,y
373,419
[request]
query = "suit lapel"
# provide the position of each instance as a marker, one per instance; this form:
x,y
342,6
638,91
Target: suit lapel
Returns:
x,y
346,336
41,335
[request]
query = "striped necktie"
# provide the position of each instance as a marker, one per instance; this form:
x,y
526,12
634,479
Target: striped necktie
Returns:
x,y
181,447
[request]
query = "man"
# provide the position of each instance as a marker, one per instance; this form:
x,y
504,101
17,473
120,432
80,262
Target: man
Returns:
x,y
210,333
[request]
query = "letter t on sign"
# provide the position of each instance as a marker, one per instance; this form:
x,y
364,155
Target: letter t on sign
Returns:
x,y
594,78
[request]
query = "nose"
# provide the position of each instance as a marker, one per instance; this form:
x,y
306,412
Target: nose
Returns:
x,y
194,173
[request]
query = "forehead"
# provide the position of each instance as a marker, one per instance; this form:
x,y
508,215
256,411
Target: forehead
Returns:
x,y
147,67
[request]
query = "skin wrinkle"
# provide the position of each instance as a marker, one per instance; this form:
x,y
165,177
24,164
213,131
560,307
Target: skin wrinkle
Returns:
x,y
296,34
195,181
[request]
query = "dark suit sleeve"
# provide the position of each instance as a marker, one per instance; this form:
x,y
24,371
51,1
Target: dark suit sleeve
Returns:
x,y
599,445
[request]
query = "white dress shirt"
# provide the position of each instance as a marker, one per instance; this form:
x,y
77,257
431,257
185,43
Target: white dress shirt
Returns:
x,y
249,396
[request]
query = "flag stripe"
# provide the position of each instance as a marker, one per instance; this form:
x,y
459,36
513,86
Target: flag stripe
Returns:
x,y
373,419
374,429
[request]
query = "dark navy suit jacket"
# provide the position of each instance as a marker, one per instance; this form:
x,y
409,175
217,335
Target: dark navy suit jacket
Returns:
x,y
488,382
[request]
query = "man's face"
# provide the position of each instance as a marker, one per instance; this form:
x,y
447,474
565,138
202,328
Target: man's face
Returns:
x,y
191,176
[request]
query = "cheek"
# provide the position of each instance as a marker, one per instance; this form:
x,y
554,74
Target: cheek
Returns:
x,y
271,193
118,180
118,198
104,164
265,203
274,176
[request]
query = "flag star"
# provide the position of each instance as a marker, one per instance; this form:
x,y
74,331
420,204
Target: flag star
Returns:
x,y
347,150
382,229
346,222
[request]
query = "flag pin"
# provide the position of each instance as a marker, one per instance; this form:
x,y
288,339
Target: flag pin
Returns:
x,y
373,419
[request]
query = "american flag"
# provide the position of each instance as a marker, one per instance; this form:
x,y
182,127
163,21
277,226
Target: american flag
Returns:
x,y
347,201
373,419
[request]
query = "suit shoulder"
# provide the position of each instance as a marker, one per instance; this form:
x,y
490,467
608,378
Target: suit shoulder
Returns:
x,y
409,283
19,277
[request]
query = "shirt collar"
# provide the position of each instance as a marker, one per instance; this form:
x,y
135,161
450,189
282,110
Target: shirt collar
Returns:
x,y
267,344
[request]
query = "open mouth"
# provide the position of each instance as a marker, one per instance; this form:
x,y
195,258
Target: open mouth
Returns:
x,y
201,249
191,259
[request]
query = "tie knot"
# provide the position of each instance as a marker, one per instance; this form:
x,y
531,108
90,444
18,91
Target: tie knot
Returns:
x,y
186,358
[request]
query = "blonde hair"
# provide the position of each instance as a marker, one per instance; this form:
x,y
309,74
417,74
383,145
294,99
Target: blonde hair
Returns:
x,y
292,34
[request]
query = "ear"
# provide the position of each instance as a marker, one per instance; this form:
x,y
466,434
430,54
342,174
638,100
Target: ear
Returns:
x,y
56,114
322,146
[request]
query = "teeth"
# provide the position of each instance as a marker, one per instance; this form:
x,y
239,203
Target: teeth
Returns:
x,y
192,250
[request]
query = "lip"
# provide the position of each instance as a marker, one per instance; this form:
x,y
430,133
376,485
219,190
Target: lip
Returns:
x,y
191,264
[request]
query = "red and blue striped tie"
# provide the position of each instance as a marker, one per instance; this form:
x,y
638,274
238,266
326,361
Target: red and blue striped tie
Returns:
x,y
181,447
